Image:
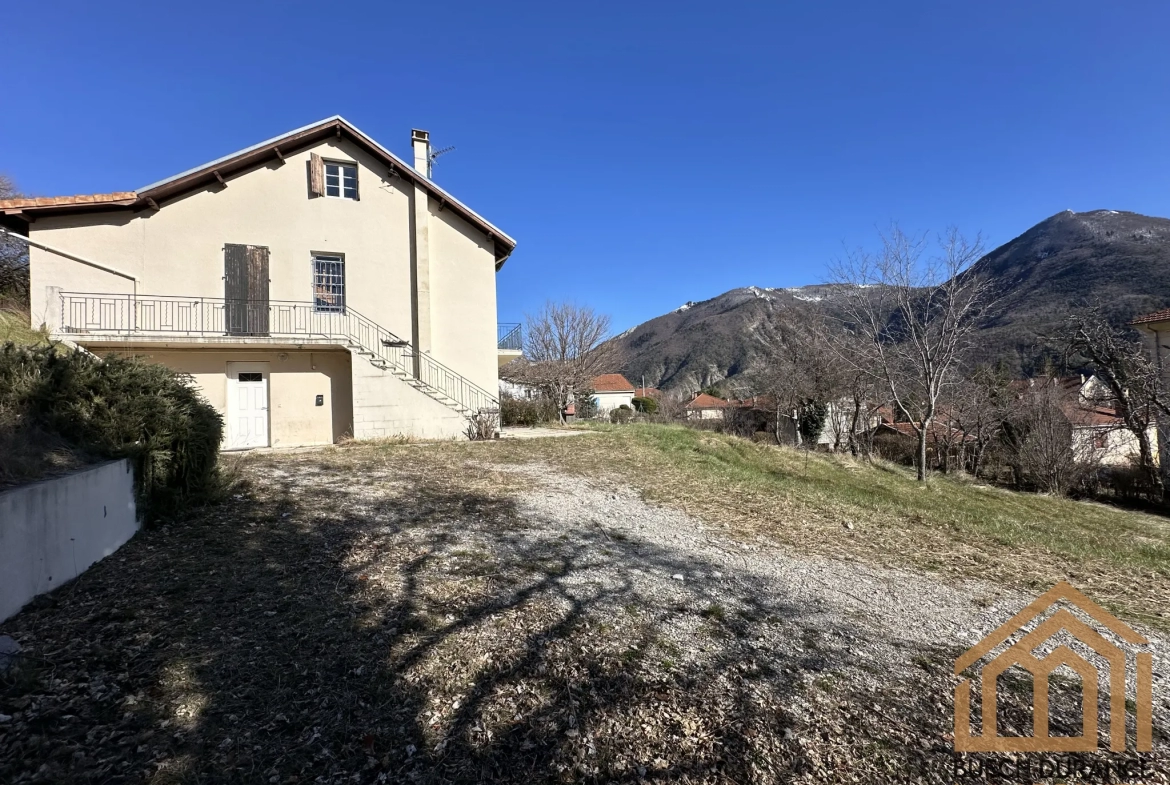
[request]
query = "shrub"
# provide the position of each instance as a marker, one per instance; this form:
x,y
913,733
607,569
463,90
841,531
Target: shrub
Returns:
x,y
115,408
621,414
527,411
482,427
645,405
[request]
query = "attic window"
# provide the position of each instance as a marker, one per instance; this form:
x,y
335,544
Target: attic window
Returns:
x,y
341,180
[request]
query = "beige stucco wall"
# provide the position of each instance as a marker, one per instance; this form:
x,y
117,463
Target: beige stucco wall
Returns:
x,y
295,379
384,406
1121,446
608,401
178,250
463,299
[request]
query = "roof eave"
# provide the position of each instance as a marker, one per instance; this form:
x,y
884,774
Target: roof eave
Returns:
x,y
277,148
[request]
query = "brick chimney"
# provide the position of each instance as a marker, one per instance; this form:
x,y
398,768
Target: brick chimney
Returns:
x,y
421,140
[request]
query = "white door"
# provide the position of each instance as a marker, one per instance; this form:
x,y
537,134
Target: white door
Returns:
x,y
247,415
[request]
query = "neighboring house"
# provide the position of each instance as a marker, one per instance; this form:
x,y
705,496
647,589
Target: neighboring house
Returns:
x,y
314,285
518,390
611,391
510,342
1098,434
839,422
705,407
1155,330
647,392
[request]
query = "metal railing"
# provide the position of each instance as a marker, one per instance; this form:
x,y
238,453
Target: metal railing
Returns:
x,y
128,315
509,336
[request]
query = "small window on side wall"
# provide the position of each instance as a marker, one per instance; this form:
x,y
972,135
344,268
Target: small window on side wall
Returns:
x,y
341,180
329,283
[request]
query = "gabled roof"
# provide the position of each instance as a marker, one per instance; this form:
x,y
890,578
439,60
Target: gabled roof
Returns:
x,y
156,194
612,382
705,401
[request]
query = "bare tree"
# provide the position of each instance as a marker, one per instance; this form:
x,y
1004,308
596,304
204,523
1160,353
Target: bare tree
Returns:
x,y
796,369
910,315
566,346
13,256
1131,384
979,403
1041,445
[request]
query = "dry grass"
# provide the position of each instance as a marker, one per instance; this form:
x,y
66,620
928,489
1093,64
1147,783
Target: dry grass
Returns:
x,y
14,328
843,508
384,613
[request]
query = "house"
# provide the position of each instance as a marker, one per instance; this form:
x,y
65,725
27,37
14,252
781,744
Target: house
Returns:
x,y
1098,434
612,391
647,392
1155,331
314,285
705,407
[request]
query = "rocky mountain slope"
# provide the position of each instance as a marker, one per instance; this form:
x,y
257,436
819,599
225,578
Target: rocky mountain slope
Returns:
x,y
1118,259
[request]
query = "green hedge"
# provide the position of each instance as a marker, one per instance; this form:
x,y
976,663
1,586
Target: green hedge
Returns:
x,y
115,408
646,405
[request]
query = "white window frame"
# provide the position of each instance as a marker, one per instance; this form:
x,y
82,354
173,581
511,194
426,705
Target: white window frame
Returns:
x,y
328,280
341,167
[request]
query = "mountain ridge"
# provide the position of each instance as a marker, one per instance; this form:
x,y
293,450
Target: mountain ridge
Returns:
x,y
1118,259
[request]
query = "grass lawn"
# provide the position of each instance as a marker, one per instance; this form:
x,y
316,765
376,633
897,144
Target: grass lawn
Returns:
x,y
841,507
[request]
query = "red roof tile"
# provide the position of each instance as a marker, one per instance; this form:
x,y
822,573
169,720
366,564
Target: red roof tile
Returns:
x,y
704,401
55,201
647,392
612,382
1156,316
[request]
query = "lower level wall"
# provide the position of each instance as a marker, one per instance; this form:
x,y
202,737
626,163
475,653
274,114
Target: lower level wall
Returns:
x,y
386,406
296,377
52,531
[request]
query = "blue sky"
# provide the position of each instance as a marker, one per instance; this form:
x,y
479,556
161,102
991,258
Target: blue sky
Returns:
x,y
643,154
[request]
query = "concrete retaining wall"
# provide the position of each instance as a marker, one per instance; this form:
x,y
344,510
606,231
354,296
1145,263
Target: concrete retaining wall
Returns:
x,y
52,531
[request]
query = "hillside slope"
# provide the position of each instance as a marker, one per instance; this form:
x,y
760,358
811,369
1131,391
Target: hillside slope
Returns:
x,y
1118,259
1071,260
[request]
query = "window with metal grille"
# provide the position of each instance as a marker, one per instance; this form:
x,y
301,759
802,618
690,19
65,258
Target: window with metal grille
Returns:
x,y
329,283
341,180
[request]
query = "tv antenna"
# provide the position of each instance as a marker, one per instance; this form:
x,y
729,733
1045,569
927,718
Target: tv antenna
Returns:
x,y
435,155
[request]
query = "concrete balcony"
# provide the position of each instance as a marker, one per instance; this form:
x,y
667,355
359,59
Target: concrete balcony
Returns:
x,y
509,342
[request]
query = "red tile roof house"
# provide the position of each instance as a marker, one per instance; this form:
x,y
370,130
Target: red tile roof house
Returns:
x,y
611,391
314,285
1098,434
706,407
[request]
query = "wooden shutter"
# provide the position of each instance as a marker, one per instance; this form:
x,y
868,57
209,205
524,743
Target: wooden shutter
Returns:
x,y
257,290
316,175
235,288
245,287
